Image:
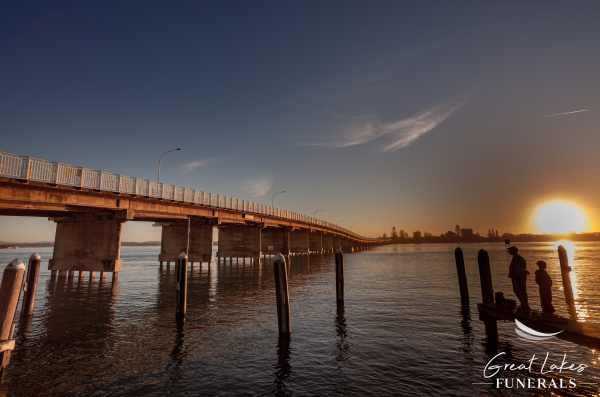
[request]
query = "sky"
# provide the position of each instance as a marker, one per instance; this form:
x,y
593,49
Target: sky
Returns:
x,y
416,115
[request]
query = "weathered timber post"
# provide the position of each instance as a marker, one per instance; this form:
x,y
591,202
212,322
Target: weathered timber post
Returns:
x,y
33,270
565,271
10,291
339,276
462,274
485,275
282,296
181,285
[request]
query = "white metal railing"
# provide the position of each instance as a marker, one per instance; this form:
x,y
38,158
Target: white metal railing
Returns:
x,y
28,168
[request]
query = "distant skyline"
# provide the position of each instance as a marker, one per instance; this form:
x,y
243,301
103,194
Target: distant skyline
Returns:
x,y
418,115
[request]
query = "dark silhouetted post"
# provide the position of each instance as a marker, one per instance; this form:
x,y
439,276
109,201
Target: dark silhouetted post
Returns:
x,y
282,296
33,270
339,276
181,285
462,274
485,275
565,271
10,291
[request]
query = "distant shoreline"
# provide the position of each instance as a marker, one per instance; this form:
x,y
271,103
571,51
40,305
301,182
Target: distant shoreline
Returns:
x,y
4,245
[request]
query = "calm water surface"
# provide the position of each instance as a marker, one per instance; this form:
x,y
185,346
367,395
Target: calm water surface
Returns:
x,y
402,331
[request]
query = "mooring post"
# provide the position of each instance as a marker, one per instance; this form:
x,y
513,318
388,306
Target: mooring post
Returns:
x,y
33,270
565,271
10,291
339,276
282,296
485,275
462,274
181,285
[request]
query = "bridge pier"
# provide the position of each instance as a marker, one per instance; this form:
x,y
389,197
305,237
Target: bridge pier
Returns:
x,y
88,243
276,241
174,239
315,242
239,241
337,243
299,242
346,244
327,242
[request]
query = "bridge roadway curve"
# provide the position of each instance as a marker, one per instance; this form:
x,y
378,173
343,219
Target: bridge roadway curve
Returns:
x,y
90,206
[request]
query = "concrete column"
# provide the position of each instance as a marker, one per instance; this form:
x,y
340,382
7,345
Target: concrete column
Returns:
x,y
87,243
315,242
337,243
275,241
239,241
174,241
347,245
327,242
299,242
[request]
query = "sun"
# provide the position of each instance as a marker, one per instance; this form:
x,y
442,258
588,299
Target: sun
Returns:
x,y
560,217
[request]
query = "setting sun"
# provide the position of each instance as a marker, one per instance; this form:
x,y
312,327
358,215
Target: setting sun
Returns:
x,y
560,217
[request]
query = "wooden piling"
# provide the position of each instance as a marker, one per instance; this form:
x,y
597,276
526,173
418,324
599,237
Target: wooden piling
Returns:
x,y
10,291
30,287
462,274
181,286
339,276
115,276
485,275
282,296
565,271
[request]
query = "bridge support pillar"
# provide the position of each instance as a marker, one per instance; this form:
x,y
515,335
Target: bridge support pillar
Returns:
x,y
239,241
346,244
315,242
327,242
88,243
337,243
174,241
276,241
299,242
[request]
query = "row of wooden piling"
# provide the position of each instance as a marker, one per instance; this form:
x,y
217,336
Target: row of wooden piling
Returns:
x,y
485,275
10,293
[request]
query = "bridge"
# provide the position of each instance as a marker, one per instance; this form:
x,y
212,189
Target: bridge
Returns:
x,y
89,208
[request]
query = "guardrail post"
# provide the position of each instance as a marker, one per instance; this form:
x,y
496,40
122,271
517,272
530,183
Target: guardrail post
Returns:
x,y
57,173
101,180
30,287
462,275
136,187
28,169
82,170
119,185
339,276
282,296
181,285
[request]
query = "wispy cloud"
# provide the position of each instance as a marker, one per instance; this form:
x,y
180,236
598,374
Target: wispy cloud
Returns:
x,y
258,186
185,168
395,134
560,114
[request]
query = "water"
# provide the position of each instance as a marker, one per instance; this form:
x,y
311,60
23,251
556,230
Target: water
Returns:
x,y
402,332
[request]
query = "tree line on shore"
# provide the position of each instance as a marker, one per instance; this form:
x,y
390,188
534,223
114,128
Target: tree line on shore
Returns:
x,y
467,235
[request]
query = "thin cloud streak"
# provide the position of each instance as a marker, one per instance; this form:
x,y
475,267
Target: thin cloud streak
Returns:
x,y
258,186
395,134
560,114
185,168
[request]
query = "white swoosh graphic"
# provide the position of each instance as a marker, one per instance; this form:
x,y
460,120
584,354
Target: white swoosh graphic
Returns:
x,y
534,332
525,335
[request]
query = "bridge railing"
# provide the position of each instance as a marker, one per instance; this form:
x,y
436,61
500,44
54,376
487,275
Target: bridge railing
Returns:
x,y
28,168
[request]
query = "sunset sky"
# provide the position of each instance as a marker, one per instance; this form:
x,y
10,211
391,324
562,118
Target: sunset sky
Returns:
x,y
419,115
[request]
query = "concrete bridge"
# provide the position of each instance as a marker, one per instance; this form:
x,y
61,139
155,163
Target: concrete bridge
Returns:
x,y
90,207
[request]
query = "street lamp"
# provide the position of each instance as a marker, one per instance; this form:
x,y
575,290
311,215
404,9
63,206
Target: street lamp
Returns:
x,y
351,227
315,215
158,179
273,198
338,222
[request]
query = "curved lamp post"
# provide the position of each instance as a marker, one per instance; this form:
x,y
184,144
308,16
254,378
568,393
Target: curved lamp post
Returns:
x,y
273,198
338,222
158,179
315,215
